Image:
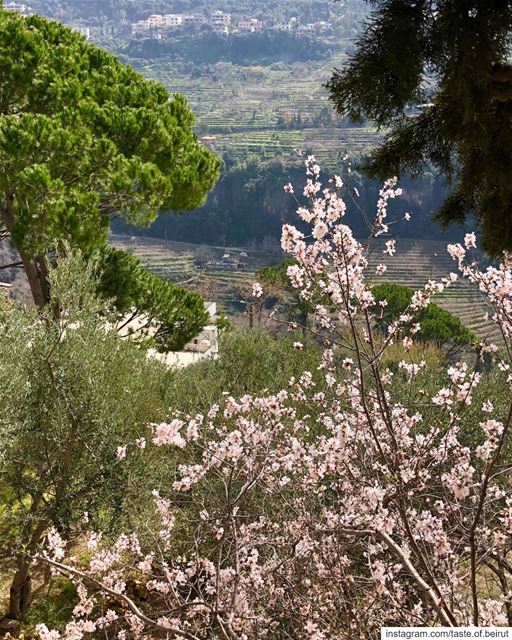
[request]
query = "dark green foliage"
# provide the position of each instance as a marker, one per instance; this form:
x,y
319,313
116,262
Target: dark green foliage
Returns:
x,y
177,314
437,325
298,309
442,327
381,80
55,607
465,130
84,138
210,47
248,206
277,274
223,324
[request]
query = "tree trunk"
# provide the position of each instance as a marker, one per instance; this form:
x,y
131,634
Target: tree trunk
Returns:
x,y
20,595
7,214
42,265
20,592
33,279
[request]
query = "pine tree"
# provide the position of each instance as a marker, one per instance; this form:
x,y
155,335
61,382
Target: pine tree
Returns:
x,y
434,74
84,139
166,316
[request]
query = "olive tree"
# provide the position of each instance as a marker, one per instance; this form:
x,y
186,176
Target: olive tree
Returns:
x,y
71,392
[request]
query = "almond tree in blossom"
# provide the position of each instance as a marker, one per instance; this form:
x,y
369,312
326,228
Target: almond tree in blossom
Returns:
x,y
340,504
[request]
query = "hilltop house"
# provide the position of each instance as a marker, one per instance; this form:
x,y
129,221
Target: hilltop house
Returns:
x,y
250,25
173,20
141,26
323,27
209,141
156,21
306,30
220,19
228,263
193,19
282,26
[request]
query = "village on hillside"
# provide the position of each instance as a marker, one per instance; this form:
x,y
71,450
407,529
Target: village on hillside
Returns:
x,y
157,25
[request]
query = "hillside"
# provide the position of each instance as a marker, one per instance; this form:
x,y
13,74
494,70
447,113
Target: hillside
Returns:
x,y
266,83
278,110
414,263
417,261
268,111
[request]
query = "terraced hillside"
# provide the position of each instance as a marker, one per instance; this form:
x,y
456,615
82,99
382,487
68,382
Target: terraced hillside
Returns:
x,y
415,262
328,144
250,98
186,264
239,108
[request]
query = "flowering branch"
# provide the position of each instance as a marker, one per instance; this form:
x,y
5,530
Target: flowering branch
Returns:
x,y
362,494
72,571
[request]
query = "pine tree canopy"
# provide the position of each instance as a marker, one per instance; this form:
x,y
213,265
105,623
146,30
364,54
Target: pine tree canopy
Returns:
x,y
434,75
84,139
167,316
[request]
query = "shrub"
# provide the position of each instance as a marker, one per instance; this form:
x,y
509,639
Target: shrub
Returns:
x,y
71,393
437,325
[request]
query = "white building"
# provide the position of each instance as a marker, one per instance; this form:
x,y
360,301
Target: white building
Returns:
x,y
142,26
24,9
205,345
194,19
156,21
323,27
282,26
173,20
220,19
306,30
84,31
209,141
250,25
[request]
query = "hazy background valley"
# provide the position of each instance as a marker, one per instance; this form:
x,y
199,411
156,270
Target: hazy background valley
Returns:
x,y
260,103
259,97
